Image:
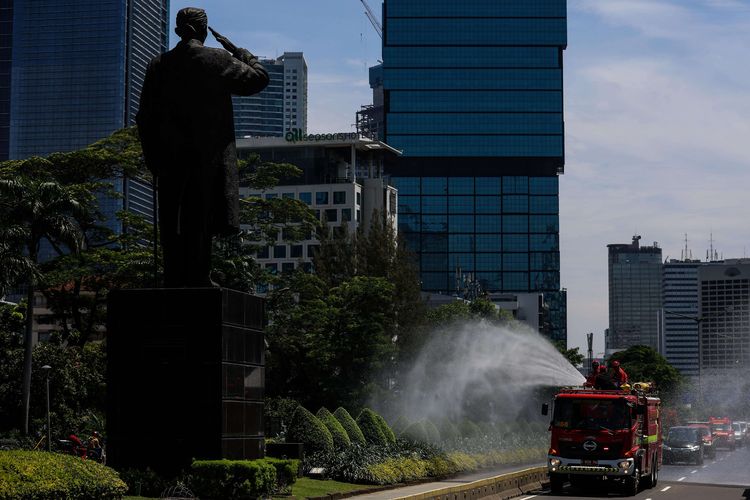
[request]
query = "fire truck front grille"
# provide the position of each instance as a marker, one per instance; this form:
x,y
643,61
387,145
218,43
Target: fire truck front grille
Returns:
x,y
575,450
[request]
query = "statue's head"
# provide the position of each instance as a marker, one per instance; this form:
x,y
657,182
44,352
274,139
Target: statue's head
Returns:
x,y
192,24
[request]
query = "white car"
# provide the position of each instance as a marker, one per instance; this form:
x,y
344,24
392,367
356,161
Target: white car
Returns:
x,y
739,435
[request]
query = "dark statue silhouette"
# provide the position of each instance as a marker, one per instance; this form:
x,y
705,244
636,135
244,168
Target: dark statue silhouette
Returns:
x,y
186,127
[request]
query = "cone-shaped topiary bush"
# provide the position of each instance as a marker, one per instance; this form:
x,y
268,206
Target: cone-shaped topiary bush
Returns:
x,y
340,437
370,425
468,429
385,429
448,430
400,424
307,429
433,434
416,432
350,426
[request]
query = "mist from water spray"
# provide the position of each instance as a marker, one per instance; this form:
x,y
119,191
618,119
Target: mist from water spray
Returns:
x,y
480,365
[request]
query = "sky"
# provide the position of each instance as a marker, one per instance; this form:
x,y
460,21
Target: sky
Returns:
x,y
657,119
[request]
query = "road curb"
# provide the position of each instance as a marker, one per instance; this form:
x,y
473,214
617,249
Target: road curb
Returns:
x,y
501,487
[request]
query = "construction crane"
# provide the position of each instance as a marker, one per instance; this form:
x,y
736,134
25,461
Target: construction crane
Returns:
x,y
373,20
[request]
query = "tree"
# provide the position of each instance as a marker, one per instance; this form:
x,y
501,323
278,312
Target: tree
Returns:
x,y
643,363
327,346
572,355
36,210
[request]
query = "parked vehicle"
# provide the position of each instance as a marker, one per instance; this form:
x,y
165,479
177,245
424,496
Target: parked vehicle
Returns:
x,y
683,444
605,436
709,450
721,428
739,436
745,431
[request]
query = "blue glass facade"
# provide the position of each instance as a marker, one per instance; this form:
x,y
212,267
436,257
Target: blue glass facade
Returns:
x,y
76,72
473,97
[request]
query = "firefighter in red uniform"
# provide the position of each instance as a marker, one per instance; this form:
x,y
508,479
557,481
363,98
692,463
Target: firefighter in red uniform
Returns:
x,y
617,374
591,377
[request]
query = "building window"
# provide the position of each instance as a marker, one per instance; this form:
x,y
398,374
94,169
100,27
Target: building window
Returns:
x,y
359,198
339,197
271,196
321,198
279,252
262,252
295,251
287,267
346,214
311,249
332,215
289,196
272,268
358,216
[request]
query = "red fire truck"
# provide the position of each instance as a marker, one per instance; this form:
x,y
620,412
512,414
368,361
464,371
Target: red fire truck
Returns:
x,y
721,428
605,436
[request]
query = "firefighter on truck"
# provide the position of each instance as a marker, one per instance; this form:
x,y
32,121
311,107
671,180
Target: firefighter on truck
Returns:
x,y
606,436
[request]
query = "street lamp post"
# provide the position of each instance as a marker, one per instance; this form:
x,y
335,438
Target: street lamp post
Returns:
x,y
47,369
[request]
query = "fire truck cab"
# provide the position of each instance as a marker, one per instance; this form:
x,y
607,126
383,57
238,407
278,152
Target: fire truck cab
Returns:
x,y
606,436
722,431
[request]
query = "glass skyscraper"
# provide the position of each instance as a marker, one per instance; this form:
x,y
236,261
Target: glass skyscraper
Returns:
x,y
635,295
76,70
473,96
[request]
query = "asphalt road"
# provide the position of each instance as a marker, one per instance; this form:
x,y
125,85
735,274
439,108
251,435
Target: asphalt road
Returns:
x,y
725,477
662,491
728,468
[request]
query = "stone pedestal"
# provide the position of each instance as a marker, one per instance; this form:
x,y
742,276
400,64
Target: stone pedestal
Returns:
x,y
185,376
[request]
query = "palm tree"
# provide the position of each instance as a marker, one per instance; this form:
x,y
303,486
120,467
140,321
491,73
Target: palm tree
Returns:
x,y
33,210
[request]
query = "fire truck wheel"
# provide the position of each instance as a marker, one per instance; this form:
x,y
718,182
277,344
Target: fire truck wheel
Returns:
x,y
556,482
650,480
632,483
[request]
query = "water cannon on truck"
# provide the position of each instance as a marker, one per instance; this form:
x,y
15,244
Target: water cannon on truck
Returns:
x,y
605,436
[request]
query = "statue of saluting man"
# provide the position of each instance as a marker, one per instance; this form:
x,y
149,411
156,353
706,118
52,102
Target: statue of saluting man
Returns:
x,y
186,126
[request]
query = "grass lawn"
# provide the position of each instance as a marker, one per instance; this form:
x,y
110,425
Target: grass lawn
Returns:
x,y
306,487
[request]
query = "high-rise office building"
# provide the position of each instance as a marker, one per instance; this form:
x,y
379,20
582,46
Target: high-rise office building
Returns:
x,y
679,315
725,315
473,97
71,73
635,295
281,106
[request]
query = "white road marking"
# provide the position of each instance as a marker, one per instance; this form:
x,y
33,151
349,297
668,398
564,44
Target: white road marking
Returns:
x,y
682,478
665,489
704,466
693,471
527,498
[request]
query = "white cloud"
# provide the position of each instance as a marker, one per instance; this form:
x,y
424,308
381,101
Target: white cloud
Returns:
x,y
657,142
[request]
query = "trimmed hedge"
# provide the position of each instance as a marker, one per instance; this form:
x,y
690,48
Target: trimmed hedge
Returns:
x,y
385,429
405,469
400,424
307,429
38,475
340,437
370,425
350,426
232,478
416,432
448,431
468,429
433,434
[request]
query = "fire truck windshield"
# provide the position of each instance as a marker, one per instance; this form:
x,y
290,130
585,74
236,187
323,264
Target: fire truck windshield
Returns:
x,y
592,414
720,427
